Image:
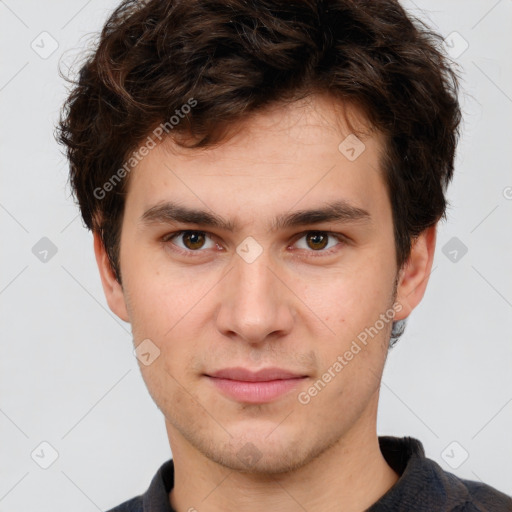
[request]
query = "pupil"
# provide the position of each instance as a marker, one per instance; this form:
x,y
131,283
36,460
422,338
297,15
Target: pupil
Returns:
x,y
318,238
195,240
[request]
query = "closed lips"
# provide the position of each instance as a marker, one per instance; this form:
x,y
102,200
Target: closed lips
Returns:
x,y
263,375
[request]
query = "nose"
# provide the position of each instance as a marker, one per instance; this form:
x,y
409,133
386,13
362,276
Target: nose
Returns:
x,y
254,302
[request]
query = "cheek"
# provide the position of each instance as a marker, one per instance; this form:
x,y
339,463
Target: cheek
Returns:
x,y
159,296
348,301
169,311
354,348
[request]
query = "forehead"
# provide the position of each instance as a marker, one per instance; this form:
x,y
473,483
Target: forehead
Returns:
x,y
304,153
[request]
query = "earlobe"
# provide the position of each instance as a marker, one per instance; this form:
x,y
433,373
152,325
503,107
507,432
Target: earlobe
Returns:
x,y
415,273
111,287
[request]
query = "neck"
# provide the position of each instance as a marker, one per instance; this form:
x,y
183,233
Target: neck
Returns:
x,y
352,473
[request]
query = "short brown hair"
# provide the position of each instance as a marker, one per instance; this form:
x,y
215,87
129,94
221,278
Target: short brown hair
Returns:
x,y
235,57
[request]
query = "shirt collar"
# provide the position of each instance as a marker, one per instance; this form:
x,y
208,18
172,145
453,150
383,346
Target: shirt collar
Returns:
x,y
418,476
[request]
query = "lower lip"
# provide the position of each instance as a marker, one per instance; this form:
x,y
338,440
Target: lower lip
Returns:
x,y
255,392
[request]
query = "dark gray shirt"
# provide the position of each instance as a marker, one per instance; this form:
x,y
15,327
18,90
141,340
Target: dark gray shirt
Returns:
x,y
423,486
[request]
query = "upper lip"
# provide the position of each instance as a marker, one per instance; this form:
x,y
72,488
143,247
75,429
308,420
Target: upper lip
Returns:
x,y
263,375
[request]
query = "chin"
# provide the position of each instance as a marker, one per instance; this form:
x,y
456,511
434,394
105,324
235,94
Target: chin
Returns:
x,y
255,454
251,460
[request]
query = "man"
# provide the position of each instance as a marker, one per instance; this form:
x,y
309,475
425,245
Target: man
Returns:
x,y
264,180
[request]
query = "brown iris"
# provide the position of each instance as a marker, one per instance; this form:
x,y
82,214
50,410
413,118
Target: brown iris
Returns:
x,y
317,239
193,239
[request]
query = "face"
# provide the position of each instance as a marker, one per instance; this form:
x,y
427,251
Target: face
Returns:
x,y
255,282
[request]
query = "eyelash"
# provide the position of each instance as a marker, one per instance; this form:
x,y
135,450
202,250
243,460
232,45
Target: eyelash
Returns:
x,y
191,253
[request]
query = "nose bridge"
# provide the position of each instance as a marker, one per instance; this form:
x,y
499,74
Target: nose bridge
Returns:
x,y
254,280
254,302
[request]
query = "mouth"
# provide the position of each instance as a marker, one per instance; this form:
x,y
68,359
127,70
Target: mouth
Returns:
x,y
255,387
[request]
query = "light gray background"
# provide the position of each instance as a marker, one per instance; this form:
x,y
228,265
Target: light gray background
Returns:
x,y
68,374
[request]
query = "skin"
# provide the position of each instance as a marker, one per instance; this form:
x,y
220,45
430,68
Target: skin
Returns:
x,y
294,307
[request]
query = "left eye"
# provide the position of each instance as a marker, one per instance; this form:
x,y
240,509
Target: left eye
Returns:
x,y
318,241
192,240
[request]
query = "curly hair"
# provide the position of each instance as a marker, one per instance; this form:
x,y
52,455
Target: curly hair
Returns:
x,y
235,57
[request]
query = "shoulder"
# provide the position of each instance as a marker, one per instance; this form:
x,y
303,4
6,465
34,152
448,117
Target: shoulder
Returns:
x,y
481,497
133,505
455,494
423,486
156,497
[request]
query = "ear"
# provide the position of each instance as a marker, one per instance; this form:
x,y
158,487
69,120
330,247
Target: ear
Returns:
x,y
415,273
111,287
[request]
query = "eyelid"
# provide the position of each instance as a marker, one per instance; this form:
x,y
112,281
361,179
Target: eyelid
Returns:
x,y
174,234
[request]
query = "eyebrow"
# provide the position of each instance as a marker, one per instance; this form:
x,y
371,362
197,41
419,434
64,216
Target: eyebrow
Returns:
x,y
338,211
